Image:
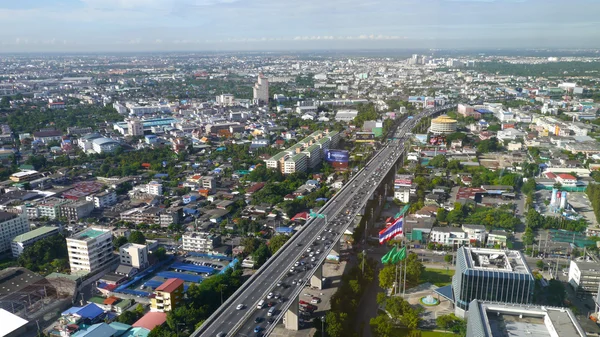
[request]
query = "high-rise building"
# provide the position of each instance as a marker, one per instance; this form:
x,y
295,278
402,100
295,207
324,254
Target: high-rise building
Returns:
x,y
135,127
154,188
261,90
200,242
135,255
489,275
168,295
90,250
493,319
11,225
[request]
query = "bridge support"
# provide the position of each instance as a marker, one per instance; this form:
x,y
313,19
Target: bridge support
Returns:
x,y
290,319
317,279
337,248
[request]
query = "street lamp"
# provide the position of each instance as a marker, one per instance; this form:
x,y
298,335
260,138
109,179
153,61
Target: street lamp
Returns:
x,y
323,326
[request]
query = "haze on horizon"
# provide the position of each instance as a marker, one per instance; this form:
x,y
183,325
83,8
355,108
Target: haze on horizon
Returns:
x,y
210,25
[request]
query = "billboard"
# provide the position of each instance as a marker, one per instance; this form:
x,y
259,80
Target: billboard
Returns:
x,y
365,137
341,156
416,99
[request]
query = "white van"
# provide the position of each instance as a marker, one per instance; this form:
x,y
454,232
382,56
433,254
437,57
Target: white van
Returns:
x,y
261,304
271,311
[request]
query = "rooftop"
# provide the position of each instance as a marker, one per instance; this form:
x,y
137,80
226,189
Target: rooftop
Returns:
x,y
495,259
88,234
518,320
4,216
10,322
170,285
35,233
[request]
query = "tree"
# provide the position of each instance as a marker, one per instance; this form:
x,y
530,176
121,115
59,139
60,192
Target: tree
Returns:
x,y
442,215
411,319
160,253
334,323
453,323
137,237
382,325
128,317
250,245
261,255
119,241
387,276
448,258
540,264
277,242
439,161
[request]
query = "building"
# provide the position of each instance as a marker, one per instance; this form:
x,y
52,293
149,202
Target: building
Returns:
x,y
90,250
135,127
23,176
167,296
200,242
443,124
584,277
103,199
152,215
105,145
154,188
76,210
11,225
448,236
48,136
225,99
487,319
261,90
135,255
209,183
489,275
297,163
20,242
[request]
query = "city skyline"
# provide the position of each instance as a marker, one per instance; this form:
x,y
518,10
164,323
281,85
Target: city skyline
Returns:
x,y
223,25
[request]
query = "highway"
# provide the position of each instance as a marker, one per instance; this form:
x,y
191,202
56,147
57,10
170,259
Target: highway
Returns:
x,y
287,272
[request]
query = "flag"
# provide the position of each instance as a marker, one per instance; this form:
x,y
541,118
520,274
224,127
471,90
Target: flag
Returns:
x,y
402,211
399,256
391,231
386,258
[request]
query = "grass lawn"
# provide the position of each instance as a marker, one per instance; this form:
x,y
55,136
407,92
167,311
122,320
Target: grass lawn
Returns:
x,y
439,277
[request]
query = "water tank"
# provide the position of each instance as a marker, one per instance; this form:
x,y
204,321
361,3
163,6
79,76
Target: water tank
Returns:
x,y
563,200
553,201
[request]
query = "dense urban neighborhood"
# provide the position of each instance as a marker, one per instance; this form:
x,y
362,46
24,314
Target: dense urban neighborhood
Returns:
x,y
300,194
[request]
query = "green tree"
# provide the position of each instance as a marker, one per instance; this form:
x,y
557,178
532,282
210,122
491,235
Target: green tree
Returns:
x,y
277,242
160,253
387,276
128,317
119,241
261,254
334,323
540,264
250,245
448,258
382,325
411,319
137,237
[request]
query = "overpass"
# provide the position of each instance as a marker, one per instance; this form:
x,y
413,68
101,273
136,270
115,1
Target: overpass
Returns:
x,y
299,262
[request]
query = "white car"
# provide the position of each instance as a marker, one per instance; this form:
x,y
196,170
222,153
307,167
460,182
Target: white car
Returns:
x,y
296,264
240,306
318,252
311,254
313,259
270,296
293,282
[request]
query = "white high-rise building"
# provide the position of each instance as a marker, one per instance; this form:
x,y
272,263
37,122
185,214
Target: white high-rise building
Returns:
x,y
11,225
90,250
154,188
135,127
261,90
135,255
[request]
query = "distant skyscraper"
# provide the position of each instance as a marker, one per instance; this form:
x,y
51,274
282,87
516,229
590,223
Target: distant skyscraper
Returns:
x,y
261,90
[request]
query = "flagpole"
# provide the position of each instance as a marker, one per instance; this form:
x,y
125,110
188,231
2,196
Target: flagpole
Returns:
x,y
405,262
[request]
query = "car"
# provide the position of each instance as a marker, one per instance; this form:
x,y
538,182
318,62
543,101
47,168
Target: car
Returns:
x,y
221,334
279,284
293,282
270,320
311,254
315,300
307,294
240,306
296,264
281,299
270,296
258,319
270,304
298,243
318,252
292,270
276,296
257,329
313,259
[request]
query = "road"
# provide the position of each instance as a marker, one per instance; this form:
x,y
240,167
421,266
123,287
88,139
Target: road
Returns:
x,y
339,213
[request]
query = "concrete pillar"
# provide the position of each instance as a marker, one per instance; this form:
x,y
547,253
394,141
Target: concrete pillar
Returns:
x,y
290,319
336,249
316,280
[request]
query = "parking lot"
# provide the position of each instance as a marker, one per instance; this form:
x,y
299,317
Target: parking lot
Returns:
x,y
333,274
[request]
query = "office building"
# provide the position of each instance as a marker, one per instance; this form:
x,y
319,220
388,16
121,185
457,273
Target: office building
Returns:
x,y
76,210
200,242
167,296
443,124
488,319
489,275
584,277
90,250
261,90
135,127
11,225
20,242
154,188
135,255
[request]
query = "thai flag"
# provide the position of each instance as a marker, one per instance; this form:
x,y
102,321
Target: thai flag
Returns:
x,y
391,231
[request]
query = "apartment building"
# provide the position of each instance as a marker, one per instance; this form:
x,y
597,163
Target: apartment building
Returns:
x,y
200,242
20,242
11,225
209,183
90,250
135,255
154,188
103,199
76,210
296,163
152,215
167,296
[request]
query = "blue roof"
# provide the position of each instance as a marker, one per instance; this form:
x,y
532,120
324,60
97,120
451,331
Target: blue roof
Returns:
x,y
483,111
161,175
445,291
284,229
90,311
70,311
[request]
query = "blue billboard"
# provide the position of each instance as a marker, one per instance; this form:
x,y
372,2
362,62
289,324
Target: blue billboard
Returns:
x,y
340,156
415,99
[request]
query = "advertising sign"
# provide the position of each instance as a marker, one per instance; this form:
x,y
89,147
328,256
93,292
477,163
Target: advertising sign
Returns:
x,y
415,99
341,156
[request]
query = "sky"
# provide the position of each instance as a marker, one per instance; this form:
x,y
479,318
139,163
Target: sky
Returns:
x,y
228,25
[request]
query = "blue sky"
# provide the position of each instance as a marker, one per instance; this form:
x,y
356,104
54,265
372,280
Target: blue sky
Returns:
x,y
164,25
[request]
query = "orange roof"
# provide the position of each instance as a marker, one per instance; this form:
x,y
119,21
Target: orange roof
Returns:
x,y
566,176
170,285
111,300
151,320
